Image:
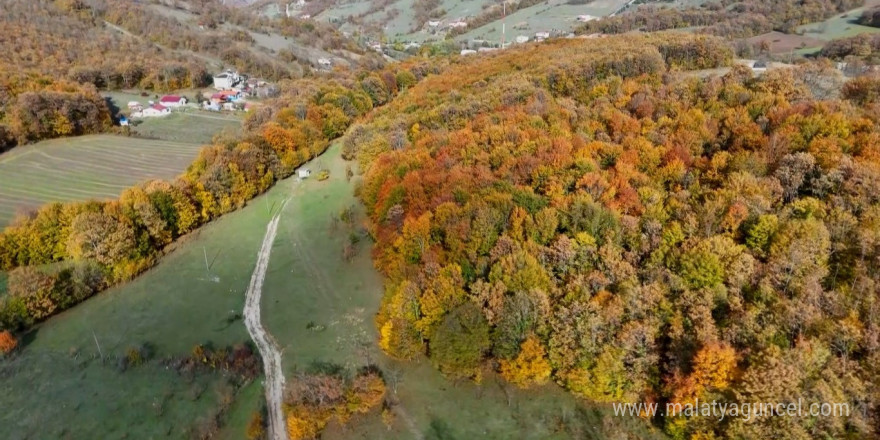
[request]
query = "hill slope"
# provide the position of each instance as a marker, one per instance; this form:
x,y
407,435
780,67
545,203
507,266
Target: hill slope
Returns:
x,y
632,234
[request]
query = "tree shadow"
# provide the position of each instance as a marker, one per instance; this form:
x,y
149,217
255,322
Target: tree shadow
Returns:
x,y
27,338
114,109
439,430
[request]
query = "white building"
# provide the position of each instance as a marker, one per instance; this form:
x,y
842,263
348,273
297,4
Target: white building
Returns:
x,y
172,101
520,39
460,23
543,35
226,80
302,173
468,52
324,63
153,111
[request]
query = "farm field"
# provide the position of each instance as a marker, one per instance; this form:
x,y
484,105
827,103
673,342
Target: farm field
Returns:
x,y
190,126
553,14
781,43
96,166
172,307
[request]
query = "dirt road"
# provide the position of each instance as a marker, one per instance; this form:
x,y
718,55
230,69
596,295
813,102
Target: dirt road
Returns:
x,y
269,351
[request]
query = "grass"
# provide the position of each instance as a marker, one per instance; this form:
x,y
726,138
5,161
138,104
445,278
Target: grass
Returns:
x,y
248,400
85,167
839,26
192,126
173,307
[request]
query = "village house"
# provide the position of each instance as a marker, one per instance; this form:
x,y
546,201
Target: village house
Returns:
x,y
155,110
520,39
302,173
172,101
134,106
226,80
226,96
541,36
324,63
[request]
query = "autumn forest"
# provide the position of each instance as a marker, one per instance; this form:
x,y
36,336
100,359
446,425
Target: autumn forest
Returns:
x,y
633,218
631,233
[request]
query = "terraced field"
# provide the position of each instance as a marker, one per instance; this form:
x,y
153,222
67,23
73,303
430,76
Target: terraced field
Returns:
x,y
86,167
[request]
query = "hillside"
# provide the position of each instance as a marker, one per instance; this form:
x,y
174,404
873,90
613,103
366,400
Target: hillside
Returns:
x,y
640,208
433,20
563,213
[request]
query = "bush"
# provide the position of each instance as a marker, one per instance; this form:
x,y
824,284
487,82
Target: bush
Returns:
x,y
7,342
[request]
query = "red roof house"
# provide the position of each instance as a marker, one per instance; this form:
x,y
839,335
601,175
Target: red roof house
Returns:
x,y
172,101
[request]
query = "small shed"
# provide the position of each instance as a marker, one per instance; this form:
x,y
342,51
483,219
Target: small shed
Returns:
x,y
303,173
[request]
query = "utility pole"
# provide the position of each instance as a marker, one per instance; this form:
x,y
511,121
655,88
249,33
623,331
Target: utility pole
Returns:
x,y
99,347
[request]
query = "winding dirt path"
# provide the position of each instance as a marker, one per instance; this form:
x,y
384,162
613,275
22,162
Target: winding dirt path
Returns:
x,y
269,351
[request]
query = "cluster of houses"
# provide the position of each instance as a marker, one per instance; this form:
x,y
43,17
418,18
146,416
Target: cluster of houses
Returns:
x,y
231,91
223,100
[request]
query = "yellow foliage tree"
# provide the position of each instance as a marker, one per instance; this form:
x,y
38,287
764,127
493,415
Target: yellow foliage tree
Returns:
x,y
304,421
530,367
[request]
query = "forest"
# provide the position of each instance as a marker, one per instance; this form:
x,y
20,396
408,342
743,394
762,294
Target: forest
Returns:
x,y
724,18
34,107
562,213
69,40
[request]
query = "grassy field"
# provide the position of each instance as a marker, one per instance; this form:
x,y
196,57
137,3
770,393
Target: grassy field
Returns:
x,y
172,307
84,167
840,26
192,126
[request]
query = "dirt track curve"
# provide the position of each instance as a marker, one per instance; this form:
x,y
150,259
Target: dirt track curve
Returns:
x,y
269,351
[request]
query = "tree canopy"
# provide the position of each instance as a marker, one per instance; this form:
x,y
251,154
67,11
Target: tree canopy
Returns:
x,y
635,233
